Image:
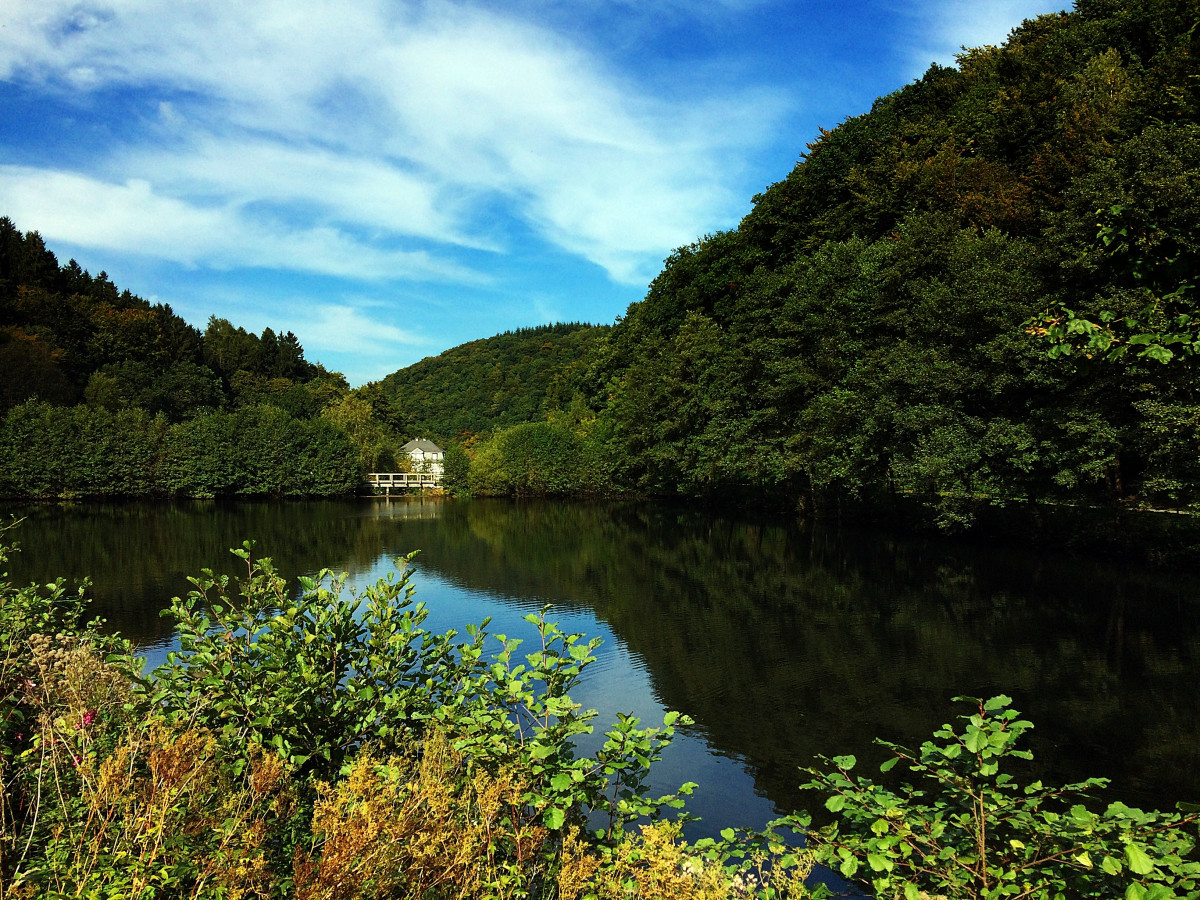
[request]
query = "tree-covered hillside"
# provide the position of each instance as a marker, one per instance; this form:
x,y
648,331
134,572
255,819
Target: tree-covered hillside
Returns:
x,y
105,394
870,329
492,383
67,336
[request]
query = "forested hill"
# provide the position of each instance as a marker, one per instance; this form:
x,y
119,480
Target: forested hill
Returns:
x,y
105,394
492,383
864,332
68,337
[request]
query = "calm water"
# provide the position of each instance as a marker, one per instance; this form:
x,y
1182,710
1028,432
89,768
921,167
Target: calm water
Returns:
x,y
781,641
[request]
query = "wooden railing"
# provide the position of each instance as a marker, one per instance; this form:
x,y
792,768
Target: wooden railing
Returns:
x,y
384,482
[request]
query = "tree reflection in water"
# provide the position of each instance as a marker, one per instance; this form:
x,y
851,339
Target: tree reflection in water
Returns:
x,y
782,641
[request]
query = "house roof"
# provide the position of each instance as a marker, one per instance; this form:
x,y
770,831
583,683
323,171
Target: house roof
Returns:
x,y
423,444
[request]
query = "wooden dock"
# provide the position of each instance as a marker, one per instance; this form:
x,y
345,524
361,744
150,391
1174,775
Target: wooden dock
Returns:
x,y
384,483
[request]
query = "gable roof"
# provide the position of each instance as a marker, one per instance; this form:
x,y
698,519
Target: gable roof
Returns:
x,y
423,444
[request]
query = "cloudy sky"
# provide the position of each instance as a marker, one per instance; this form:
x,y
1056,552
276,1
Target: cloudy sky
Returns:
x,y
390,178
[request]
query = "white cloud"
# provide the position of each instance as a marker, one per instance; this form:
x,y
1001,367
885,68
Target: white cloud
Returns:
x,y
354,190
369,347
133,218
344,329
397,122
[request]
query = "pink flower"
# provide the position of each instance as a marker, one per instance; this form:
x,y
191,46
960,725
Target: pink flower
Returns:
x,y
89,717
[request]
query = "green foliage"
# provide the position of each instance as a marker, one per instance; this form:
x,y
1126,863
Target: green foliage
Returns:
x,y
66,336
519,714
967,828
313,741
456,468
314,676
321,678
859,335
1149,248
493,383
535,459
378,445
53,451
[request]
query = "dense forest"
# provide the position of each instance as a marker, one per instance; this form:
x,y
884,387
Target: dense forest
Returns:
x,y
493,383
103,393
67,336
980,290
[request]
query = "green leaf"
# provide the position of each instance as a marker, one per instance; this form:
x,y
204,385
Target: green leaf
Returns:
x,y
911,892
554,818
1158,352
835,803
878,862
976,739
1138,861
889,764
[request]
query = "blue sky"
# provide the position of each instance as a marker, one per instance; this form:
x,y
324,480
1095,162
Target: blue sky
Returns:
x,y
388,178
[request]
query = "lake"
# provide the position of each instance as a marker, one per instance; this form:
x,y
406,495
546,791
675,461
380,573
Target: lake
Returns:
x,y
781,640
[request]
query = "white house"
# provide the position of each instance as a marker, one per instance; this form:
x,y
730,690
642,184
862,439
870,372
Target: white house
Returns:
x,y
426,456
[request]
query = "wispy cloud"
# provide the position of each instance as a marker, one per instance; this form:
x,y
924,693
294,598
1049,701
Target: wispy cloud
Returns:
x,y
345,328
134,218
370,125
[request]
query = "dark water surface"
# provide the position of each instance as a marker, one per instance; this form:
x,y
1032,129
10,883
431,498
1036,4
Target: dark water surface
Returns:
x,y
781,641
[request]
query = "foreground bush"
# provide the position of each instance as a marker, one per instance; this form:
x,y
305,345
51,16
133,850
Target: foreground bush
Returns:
x,y
320,743
317,743
970,830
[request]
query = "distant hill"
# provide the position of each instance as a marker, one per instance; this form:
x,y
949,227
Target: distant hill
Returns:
x,y
492,383
69,337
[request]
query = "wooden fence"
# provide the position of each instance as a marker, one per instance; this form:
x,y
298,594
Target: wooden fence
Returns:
x,y
386,482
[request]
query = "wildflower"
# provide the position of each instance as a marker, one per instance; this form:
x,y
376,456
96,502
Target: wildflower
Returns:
x,y
88,718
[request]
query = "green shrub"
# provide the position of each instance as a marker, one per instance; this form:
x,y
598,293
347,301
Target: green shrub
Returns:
x,y
319,742
456,470
968,829
538,459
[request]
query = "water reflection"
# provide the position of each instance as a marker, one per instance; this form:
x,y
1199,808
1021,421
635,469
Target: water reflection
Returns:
x,y
781,642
